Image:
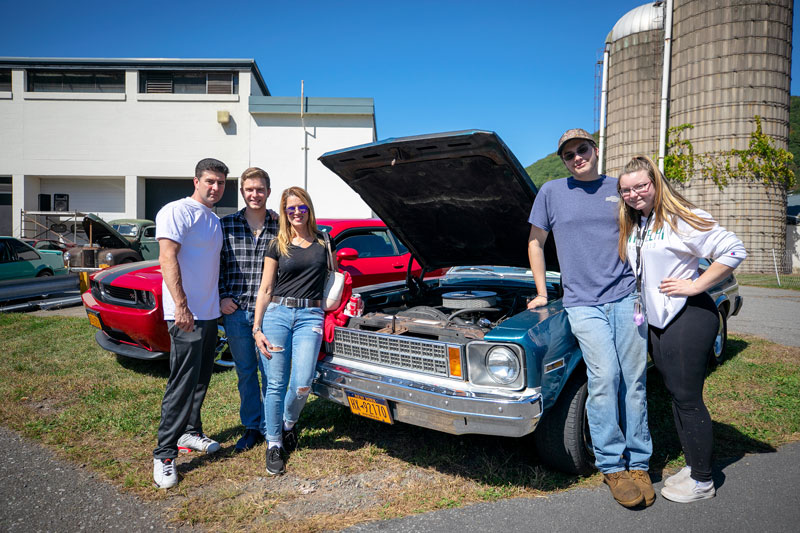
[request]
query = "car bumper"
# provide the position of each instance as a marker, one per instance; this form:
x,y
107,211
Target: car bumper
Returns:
x,y
443,409
127,350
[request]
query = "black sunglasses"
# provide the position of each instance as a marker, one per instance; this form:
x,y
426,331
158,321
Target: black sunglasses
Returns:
x,y
581,151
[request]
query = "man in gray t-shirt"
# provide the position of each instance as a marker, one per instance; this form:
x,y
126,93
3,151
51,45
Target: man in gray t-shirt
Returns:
x,y
599,298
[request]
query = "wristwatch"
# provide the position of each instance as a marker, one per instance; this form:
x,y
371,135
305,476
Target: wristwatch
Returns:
x,y
256,330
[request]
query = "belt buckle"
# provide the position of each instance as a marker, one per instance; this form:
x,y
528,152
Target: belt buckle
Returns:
x,y
291,302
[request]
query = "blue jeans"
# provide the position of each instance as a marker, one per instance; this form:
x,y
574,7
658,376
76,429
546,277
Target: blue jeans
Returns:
x,y
239,331
615,352
290,372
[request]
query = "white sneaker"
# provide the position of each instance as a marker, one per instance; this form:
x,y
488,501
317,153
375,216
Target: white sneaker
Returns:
x,y
689,490
682,474
164,473
199,443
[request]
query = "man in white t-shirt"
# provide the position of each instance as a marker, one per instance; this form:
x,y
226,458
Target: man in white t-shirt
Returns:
x,y
190,238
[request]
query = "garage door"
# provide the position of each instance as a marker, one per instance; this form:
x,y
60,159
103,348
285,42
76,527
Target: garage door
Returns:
x,y
159,191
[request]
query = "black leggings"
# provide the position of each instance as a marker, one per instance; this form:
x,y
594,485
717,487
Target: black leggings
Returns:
x,y
680,352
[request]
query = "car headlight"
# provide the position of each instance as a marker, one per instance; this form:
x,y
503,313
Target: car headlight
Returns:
x,y
109,257
502,365
66,257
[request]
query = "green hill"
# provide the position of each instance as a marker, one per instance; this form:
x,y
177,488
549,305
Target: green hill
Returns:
x,y
546,169
794,136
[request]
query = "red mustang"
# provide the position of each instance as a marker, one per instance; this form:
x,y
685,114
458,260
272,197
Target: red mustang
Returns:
x,y
124,302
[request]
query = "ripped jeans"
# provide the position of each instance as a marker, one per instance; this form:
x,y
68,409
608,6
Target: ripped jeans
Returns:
x,y
290,372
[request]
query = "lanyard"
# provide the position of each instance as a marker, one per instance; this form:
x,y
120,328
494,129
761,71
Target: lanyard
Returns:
x,y
641,233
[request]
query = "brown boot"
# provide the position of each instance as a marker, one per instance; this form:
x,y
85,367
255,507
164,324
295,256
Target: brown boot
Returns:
x,y
623,489
642,480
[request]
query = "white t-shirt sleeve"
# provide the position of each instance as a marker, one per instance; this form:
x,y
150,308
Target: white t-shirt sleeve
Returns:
x,y
172,223
717,243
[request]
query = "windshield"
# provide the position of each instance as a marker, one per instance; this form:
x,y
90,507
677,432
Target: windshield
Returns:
x,y
126,230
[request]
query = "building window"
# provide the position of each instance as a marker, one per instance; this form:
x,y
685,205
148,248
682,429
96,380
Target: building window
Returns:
x,y
5,190
76,81
5,79
188,82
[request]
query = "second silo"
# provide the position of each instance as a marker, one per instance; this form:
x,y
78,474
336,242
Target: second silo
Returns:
x,y
730,61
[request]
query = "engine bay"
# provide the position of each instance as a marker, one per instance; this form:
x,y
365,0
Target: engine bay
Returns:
x,y
451,314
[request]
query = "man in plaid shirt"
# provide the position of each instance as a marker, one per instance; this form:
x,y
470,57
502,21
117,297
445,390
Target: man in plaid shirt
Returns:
x,y
246,235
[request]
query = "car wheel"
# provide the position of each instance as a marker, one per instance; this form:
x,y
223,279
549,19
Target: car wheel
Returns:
x,y
44,273
720,341
562,438
223,358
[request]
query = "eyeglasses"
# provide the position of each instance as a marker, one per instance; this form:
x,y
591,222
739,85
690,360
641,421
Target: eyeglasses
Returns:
x,y
302,209
581,151
638,189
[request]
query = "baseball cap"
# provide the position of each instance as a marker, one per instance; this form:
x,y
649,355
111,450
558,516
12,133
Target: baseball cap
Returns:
x,y
574,133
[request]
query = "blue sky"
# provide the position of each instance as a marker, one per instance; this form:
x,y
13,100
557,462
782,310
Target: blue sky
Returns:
x,y
524,69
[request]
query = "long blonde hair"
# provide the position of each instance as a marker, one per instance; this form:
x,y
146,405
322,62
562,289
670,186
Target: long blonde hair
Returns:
x,y
668,205
285,230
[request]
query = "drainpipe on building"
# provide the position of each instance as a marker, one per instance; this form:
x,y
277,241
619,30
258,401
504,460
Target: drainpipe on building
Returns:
x,y
603,101
304,148
662,132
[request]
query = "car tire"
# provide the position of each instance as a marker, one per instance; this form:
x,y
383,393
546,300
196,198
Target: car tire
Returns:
x,y
562,438
717,354
223,358
44,274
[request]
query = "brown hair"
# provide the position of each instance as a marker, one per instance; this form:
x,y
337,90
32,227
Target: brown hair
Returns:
x,y
254,173
668,205
285,230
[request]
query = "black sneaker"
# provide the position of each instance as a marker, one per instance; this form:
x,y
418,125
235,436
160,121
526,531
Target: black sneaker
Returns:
x,y
275,463
250,438
290,439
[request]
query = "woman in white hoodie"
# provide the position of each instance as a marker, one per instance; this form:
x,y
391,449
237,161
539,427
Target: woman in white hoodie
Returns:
x,y
664,237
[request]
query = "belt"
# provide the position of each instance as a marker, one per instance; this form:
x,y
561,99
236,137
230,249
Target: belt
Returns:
x,y
288,301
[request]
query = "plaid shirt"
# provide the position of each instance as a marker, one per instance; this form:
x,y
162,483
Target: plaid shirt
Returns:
x,y
241,260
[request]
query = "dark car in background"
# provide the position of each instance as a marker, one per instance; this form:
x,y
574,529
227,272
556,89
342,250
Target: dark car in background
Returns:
x,y
113,243
19,260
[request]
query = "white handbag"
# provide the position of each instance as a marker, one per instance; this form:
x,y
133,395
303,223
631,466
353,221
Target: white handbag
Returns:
x,y
334,282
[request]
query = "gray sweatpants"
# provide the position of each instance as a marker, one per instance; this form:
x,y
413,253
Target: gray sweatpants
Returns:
x,y
191,363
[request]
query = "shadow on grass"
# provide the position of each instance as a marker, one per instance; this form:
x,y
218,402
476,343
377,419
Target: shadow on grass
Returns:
x,y
499,461
158,368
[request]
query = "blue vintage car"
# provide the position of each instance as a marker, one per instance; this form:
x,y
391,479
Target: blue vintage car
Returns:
x,y
462,353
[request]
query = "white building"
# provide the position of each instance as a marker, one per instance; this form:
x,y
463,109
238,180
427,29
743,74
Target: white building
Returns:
x,y
121,137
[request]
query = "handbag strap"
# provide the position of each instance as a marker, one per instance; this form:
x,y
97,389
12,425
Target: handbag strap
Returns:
x,y
329,255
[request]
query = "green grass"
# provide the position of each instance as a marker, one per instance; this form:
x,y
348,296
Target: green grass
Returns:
x,y
92,408
787,281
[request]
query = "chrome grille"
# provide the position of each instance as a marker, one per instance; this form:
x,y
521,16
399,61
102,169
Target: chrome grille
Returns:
x,y
89,259
419,355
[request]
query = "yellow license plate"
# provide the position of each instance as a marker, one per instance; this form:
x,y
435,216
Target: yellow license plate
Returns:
x,y
95,321
369,407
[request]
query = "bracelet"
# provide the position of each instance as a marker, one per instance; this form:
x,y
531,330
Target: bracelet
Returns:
x,y
541,296
256,330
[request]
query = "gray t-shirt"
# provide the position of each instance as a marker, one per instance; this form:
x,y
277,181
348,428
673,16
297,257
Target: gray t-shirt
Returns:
x,y
583,219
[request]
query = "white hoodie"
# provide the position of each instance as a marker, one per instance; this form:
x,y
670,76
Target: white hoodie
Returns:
x,y
667,254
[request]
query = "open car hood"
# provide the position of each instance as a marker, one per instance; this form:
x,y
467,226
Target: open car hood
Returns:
x,y
100,229
459,198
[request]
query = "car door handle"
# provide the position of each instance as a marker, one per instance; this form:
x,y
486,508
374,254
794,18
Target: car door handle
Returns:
x,y
397,266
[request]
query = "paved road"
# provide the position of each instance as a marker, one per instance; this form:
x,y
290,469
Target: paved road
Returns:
x,y
773,314
39,492
756,493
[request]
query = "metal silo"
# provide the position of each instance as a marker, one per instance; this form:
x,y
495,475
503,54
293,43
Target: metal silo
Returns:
x,y
634,56
730,60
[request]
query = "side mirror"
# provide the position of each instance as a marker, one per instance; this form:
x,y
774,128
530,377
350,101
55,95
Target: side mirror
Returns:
x,y
347,254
